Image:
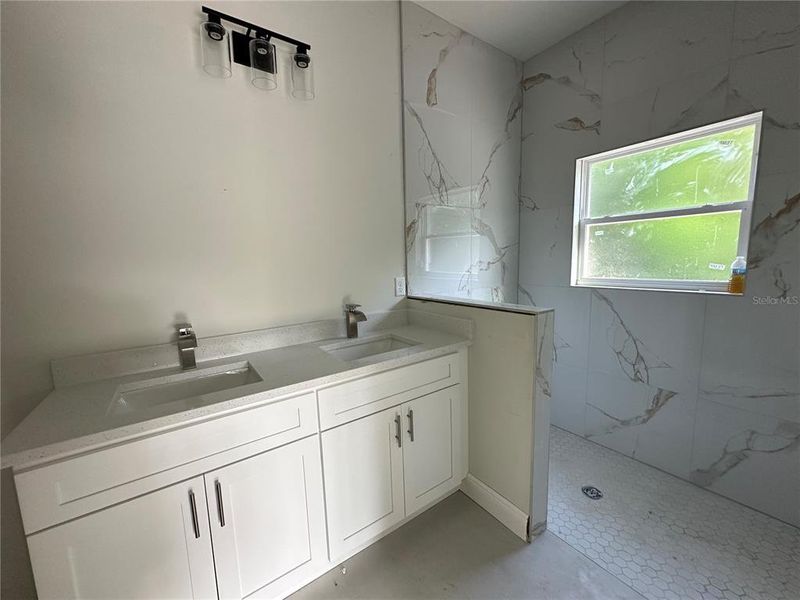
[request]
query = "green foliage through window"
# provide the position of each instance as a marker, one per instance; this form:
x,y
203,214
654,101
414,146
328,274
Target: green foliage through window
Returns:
x,y
713,169
697,247
669,211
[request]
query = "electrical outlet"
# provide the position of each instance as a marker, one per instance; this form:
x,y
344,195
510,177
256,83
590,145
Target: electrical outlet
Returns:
x,y
399,286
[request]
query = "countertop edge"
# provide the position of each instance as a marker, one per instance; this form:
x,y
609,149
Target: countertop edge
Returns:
x,y
40,456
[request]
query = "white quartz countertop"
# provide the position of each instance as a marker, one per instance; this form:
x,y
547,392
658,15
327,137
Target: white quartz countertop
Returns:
x,y
80,417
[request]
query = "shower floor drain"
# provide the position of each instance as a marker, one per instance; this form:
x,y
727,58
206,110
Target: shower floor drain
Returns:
x,y
592,492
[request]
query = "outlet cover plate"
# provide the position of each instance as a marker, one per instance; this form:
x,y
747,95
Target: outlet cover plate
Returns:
x,y
399,286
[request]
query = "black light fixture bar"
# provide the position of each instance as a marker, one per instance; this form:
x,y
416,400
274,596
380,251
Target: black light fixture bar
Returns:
x,y
216,16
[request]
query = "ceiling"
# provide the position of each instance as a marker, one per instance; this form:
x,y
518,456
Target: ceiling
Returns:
x,y
521,28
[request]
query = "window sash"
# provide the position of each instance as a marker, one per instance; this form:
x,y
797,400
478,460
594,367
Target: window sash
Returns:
x,y
580,220
706,209
682,136
665,285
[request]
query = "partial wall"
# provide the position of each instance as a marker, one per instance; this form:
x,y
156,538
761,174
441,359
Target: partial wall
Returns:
x,y
509,367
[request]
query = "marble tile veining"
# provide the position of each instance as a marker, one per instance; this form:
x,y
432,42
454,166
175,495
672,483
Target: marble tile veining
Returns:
x,y
704,387
463,113
753,458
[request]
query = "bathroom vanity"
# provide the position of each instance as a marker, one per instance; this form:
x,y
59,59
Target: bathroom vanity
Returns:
x,y
247,477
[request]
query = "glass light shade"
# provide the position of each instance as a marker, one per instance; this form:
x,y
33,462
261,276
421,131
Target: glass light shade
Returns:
x,y
263,64
216,48
302,77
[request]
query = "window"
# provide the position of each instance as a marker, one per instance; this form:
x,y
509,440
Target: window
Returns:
x,y
450,242
668,214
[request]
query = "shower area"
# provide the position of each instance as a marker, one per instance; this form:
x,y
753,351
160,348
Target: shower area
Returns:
x,y
682,409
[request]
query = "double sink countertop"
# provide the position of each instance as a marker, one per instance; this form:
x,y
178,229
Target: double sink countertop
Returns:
x,y
106,399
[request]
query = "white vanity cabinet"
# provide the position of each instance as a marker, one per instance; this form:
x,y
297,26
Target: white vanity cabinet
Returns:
x,y
432,460
363,480
154,546
267,531
240,506
268,521
384,467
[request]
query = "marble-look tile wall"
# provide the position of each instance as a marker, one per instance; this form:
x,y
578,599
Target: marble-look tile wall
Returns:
x,y
462,117
704,387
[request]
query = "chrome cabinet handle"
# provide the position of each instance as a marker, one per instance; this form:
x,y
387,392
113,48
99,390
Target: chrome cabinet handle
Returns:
x,y
220,507
411,423
398,436
195,522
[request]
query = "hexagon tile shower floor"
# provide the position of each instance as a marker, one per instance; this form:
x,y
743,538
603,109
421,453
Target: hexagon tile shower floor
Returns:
x,y
663,536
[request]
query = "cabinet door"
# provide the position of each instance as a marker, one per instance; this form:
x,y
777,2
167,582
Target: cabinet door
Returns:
x,y
431,451
154,546
268,521
363,479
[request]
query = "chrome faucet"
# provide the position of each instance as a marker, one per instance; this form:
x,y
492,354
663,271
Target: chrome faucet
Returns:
x,y
352,317
187,342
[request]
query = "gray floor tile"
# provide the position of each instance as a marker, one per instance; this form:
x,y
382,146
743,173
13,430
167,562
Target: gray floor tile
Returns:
x,y
456,550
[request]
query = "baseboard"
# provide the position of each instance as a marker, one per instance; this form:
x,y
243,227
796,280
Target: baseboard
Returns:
x,y
496,505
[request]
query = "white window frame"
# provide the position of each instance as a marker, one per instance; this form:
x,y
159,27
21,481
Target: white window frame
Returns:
x,y
581,220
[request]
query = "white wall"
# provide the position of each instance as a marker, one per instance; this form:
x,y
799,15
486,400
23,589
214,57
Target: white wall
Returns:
x,y
135,188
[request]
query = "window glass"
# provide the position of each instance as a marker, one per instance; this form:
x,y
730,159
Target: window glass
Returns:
x,y
697,247
671,213
712,169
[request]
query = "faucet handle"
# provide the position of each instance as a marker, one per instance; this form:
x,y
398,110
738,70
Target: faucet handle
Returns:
x,y
184,329
352,307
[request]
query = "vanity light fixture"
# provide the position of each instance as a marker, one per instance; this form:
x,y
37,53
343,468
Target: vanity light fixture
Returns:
x,y
216,48
302,76
254,49
263,66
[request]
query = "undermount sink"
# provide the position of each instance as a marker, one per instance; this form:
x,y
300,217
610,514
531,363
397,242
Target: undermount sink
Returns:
x,y
362,350
182,391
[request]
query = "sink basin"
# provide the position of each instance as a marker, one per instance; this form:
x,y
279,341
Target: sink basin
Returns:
x,y
182,391
362,350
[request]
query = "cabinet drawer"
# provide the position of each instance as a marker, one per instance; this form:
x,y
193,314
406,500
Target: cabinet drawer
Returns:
x,y
60,491
352,400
